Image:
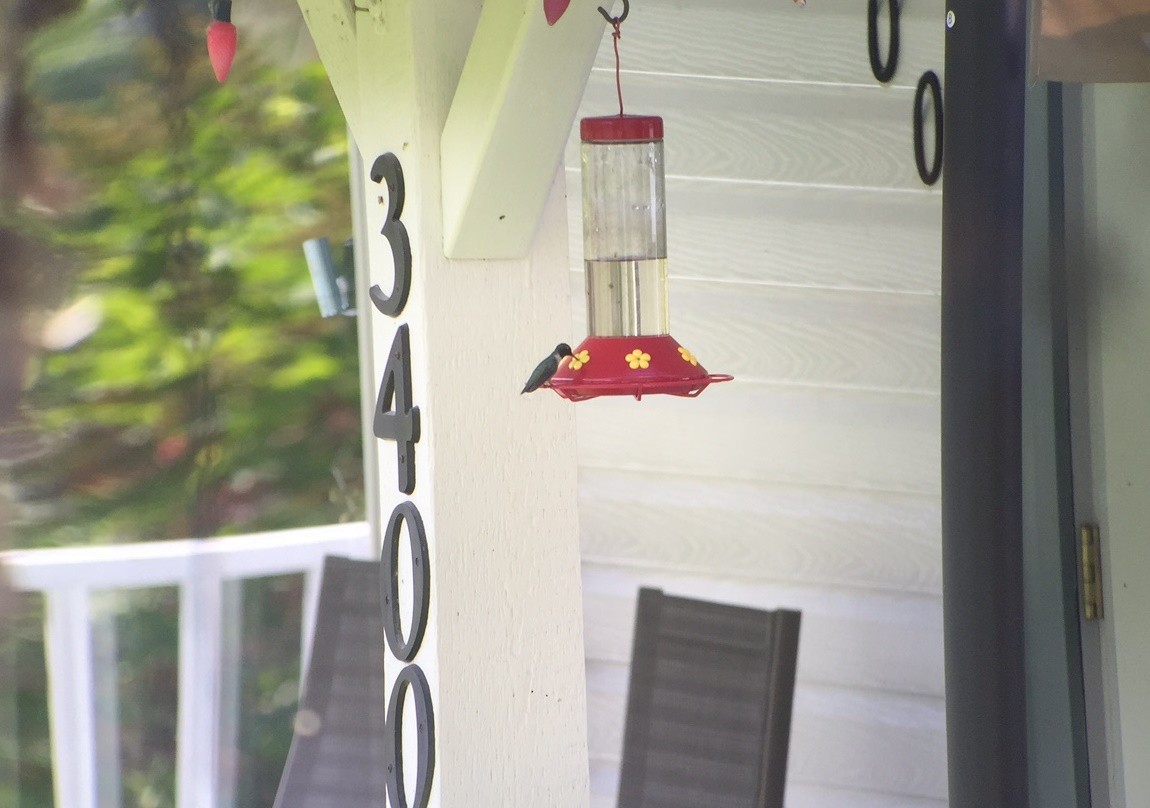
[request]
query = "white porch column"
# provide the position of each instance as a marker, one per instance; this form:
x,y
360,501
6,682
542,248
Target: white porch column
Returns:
x,y
495,472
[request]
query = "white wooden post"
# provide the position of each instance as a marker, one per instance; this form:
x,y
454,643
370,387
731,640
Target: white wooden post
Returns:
x,y
308,611
495,471
198,724
106,699
230,684
71,707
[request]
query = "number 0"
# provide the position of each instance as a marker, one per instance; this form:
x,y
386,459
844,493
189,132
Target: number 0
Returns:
x,y
404,649
410,678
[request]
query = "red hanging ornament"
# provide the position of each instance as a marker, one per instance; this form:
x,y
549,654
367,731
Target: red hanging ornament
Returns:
x,y
553,10
221,39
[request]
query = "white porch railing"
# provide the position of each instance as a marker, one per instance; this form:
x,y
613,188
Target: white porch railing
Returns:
x,y
67,577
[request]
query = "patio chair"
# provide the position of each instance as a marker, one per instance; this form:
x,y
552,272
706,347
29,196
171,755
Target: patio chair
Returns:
x,y
337,744
708,706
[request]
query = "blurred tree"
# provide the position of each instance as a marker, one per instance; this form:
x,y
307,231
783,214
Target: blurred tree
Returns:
x,y
190,388
186,385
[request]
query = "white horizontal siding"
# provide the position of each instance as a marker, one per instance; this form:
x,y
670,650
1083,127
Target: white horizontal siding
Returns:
x,y
772,133
605,787
863,640
804,258
821,535
796,334
772,40
770,433
841,738
805,237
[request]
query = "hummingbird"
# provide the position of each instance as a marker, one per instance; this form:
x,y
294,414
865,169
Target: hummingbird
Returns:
x,y
546,369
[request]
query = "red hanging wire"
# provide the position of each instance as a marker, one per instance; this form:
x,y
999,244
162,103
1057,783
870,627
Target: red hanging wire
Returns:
x,y
616,22
618,82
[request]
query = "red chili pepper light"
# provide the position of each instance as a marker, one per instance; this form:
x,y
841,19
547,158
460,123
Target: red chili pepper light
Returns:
x,y
553,10
221,39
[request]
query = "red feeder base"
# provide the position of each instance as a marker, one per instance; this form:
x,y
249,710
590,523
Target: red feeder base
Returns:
x,y
631,366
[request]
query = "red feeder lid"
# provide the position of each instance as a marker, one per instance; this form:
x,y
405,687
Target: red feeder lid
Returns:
x,y
621,129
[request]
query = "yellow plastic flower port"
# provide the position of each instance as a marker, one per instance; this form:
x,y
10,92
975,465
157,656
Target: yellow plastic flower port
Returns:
x,y
638,359
688,356
579,360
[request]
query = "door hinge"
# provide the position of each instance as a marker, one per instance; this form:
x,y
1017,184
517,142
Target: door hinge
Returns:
x,y
1090,559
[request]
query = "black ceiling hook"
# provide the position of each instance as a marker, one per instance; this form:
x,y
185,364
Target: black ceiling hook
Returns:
x,y
616,20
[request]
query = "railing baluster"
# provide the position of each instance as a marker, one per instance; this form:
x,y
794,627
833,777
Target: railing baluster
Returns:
x,y
105,686
71,706
311,581
231,688
197,755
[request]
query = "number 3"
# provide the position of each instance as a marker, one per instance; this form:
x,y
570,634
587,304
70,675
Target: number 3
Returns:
x,y
387,169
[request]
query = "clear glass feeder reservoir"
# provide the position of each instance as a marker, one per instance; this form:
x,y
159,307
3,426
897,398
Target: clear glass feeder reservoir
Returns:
x,y
630,350
624,226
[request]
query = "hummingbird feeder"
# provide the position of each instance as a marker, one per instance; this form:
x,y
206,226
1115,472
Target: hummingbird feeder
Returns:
x,y
630,351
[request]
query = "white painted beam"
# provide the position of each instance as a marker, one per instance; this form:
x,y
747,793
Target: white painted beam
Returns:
x,y
332,27
495,472
509,121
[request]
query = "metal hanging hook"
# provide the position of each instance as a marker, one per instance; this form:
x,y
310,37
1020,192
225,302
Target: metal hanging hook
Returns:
x,y
616,20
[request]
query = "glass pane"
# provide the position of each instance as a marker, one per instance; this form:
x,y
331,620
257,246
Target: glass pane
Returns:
x,y
25,752
265,684
146,626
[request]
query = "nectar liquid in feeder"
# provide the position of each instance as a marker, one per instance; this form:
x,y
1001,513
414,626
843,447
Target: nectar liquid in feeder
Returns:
x,y
624,226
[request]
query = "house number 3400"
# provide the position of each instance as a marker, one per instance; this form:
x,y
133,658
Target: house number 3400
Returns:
x,y
397,419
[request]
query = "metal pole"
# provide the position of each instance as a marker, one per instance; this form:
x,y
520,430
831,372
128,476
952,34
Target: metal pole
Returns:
x,y
985,98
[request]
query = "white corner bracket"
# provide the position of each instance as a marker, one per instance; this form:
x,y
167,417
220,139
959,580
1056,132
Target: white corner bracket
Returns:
x,y
509,123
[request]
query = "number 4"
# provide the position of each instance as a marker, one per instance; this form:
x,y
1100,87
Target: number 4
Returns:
x,y
395,417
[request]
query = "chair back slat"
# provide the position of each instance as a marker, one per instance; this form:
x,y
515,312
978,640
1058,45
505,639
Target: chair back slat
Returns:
x,y
708,706
338,744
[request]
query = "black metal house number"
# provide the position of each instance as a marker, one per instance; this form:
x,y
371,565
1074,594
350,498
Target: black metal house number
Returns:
x,y
397,419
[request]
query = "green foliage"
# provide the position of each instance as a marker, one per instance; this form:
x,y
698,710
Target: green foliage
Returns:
x,y
211,398
146,695
24,752
189,387
268,686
